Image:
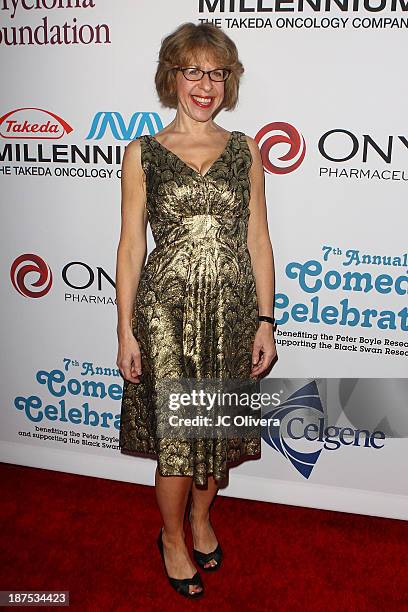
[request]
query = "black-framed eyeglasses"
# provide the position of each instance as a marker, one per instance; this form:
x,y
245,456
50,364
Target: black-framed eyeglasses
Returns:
x,y
191,73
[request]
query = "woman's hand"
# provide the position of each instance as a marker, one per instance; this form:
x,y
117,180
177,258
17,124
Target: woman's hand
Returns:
x,y
129,359
264,350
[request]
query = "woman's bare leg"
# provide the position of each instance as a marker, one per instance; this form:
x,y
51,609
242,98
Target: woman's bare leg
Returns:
x,y
172,494
203,534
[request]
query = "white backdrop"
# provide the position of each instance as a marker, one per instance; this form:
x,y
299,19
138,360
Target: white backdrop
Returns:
x,y
324,93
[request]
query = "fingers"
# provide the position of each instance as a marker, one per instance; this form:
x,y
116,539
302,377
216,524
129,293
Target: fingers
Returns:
x,y
131,369
256,354
263,363
257,361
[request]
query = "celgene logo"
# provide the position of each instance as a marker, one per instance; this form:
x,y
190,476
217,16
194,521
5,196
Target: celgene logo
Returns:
x,y
139,122
303,423
21,271
25,123
269,139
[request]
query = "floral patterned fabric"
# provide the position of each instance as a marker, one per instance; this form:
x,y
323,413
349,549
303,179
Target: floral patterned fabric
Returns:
x,y
195,312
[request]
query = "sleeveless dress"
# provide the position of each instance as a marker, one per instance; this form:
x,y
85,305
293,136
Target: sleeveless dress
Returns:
x,y
196,312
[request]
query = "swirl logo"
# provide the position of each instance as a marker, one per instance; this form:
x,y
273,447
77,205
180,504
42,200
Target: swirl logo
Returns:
x,y
20,272
274,134
306,398
304,430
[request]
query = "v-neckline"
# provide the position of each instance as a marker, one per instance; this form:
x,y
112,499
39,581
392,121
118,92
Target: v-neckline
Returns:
x,y
220,156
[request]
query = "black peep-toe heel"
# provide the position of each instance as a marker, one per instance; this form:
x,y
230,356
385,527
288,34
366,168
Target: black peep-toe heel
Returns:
x,y
203,558
181,584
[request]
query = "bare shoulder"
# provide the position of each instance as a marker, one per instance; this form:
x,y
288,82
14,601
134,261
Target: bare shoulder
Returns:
x,y
253,146
133,149
132,158
257,165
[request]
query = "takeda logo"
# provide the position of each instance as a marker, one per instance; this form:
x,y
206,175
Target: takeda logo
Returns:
x,y
26,123
26,268
270,137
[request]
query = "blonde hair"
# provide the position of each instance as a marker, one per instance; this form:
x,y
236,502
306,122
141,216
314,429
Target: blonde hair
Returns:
x,y
181,48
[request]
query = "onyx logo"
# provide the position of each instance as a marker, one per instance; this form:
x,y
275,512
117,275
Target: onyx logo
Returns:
x,y
114,122
22,270
79,275
271,137
345,145
37,123
31,276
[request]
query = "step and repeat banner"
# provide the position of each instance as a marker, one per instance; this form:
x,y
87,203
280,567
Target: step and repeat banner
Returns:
x,y
324,94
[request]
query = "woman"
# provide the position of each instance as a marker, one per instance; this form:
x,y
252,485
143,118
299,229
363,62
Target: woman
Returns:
x,y
193,310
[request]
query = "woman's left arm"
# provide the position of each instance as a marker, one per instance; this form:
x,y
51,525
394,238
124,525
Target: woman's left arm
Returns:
x,y
261,252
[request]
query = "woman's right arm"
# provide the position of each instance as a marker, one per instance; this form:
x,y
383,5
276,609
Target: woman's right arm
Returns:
x,y
131,253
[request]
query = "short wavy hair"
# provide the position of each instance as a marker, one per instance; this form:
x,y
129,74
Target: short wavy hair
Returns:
x,y
183,47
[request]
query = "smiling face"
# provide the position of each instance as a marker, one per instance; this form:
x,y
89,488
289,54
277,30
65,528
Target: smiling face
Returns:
x,y
200,99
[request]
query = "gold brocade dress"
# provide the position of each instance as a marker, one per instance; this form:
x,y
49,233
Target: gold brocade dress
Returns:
x,y
196,311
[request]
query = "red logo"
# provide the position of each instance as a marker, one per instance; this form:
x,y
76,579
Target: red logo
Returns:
x,y
277,133
25,265
33,123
